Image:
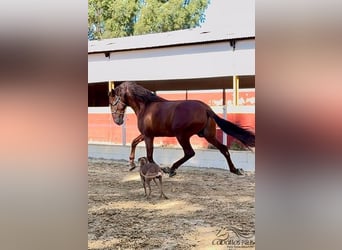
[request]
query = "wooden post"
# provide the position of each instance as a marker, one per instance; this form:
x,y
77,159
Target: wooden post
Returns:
x,y
224,107
123,131
235,90
110,119
111,85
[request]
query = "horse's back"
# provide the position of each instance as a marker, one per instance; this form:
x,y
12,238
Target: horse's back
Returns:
x,y
191,109
190,116
171,118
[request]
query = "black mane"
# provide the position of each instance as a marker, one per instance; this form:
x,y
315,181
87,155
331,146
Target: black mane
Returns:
x,y
143,94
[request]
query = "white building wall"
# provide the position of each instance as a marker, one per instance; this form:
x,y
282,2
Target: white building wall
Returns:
x,y
175,62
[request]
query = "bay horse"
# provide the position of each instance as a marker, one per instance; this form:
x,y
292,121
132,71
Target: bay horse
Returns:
x,y
158,117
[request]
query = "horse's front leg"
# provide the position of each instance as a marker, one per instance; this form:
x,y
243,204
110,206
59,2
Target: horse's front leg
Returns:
x,y
134,144
149,148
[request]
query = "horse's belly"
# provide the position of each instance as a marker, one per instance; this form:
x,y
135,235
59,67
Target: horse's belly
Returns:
x,y
158,131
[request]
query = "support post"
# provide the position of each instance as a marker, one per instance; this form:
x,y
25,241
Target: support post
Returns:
x,y
123,131
224,109
111,85
110,119
235,90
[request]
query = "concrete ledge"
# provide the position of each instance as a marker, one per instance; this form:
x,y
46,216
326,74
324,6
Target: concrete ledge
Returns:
x,y
209,158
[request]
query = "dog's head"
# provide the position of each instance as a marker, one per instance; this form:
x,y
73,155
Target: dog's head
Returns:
x,y
142,161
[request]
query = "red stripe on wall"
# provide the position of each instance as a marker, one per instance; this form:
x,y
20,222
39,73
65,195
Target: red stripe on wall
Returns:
x,y
101,127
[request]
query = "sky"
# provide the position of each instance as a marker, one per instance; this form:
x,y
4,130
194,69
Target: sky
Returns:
x,y
230,15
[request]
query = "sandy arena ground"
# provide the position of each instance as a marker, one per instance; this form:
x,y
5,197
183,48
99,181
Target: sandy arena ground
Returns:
x,y
203,205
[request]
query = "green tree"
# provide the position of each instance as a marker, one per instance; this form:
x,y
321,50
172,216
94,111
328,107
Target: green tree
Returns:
x,y
117,18
112,18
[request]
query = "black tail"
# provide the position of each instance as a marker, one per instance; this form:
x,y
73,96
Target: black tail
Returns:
x,y
243,135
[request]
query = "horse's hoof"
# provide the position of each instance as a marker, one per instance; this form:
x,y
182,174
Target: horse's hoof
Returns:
x,y
239,171
166,170
172,173
132,165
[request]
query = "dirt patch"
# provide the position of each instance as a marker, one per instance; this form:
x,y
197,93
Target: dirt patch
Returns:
x,y
202,204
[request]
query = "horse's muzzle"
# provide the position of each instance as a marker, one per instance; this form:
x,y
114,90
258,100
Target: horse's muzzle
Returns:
x,y
119,121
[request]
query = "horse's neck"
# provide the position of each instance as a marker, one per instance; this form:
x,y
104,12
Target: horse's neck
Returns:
x,y
137,107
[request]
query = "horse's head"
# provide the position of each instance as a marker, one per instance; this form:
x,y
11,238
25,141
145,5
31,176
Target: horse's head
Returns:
x,y
129,94
117,105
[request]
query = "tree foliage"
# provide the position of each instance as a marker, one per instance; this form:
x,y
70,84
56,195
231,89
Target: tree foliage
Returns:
x,y
117,18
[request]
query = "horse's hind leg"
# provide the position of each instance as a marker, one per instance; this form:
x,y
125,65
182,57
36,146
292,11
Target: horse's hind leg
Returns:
x,y
134,144
224,150
184,141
